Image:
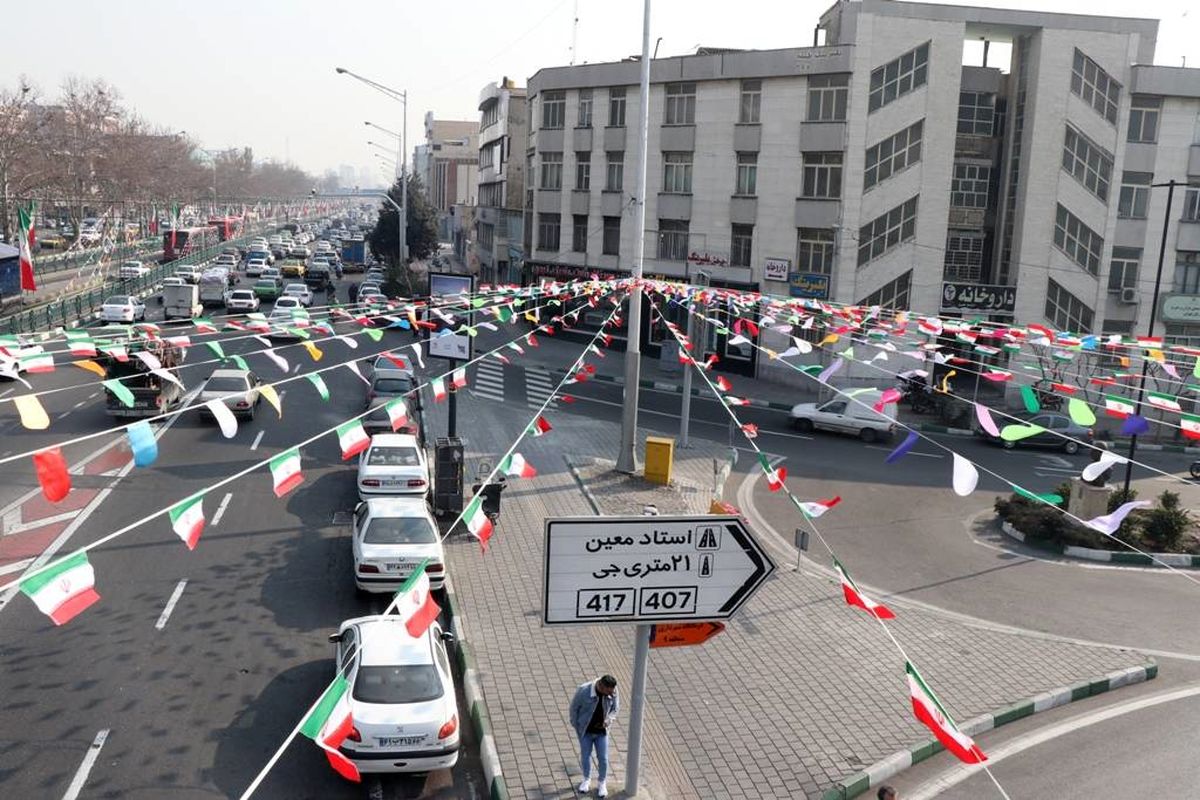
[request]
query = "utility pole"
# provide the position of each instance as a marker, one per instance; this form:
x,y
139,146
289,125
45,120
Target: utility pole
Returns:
x,y
452,409
693,333
627,455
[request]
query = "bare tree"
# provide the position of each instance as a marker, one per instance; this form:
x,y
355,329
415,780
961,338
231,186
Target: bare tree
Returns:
x,y
18,143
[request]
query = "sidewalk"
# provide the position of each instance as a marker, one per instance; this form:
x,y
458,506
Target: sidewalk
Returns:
x,y
800,692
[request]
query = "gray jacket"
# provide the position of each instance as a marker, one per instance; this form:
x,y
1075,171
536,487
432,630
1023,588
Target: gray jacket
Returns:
x,y
583,705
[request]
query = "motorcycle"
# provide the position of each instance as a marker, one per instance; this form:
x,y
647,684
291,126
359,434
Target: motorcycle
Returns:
x,y
918,394
1195,469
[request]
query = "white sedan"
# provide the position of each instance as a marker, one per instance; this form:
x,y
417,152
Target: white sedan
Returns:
x,y
242,300
402,700
236,388
394,463
299,291
122,308
391,536
132,269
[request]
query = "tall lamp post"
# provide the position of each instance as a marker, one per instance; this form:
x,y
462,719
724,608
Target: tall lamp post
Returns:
x,y
1162,254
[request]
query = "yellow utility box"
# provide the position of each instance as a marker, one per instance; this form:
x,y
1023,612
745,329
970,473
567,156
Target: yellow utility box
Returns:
x,y
660,455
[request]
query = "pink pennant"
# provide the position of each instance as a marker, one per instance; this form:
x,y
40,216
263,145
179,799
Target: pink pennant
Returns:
x,y
985,420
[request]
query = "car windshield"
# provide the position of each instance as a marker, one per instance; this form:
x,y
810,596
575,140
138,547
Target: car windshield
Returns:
x,y
266,284
393,457
407,683
242,294
392,385
400,530
117,301
225,383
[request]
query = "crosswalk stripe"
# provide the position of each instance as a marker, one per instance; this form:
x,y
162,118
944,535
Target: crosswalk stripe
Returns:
x,y
538,386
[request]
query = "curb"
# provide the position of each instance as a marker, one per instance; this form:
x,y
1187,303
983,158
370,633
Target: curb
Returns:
x,y
476,704
1112,444
853,785
1109,556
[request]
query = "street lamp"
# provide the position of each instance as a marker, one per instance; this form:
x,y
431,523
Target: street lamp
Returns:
x,y
393,134
402,98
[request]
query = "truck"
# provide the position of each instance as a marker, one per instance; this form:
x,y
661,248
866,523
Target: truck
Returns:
x,y
354,254
152,394
181,302
213,285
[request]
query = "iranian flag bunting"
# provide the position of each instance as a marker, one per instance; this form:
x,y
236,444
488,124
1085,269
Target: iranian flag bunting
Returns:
x,y
477,522
397,412
1163,401
458,378
540,427
855,597
931,714
25,238
723,384
515,466
816,508
81,344
775,476
1118,407
319,383
415,603
352,439
204,325
38,362
187,520
439,389
1189,425
63,589
329,723
285,471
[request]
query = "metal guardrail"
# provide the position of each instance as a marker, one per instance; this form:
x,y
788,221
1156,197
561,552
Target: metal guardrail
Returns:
x,y
71,259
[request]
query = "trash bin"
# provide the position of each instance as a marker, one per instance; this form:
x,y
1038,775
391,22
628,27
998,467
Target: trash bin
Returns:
x,y
490,495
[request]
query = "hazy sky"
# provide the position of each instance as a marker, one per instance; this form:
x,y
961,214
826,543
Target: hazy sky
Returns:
x,y
261,72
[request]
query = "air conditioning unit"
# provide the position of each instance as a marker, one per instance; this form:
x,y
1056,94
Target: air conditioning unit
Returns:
x,y
1129,296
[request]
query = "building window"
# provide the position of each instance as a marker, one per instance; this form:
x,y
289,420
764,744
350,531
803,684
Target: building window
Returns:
x,y
615,178
814,250
1078,241
747,174
491,195
751,102
827,96
548,231
616,107
677,173
1095,87
887,231
976,113
897,78
822,176
487,156
1187,273
1123,269
1066,311
964,257
1135,195
969,187
893,154
491,115
487,236
579,233
681,104
585,108
741,241
583,171
893,294
552,170
612,236
1143,118
1191,205
673,239
554,109
1088,162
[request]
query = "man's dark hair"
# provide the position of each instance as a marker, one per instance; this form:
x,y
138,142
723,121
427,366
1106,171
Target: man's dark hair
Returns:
x,y
886,792
608,681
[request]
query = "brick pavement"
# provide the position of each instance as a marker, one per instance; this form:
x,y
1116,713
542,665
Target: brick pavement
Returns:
x,y
797,693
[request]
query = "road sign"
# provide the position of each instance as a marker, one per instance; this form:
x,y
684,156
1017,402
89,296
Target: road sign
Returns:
x,y
649,569
683,634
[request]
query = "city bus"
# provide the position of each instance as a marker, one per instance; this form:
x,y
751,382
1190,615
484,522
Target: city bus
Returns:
x,y
179,243
227,227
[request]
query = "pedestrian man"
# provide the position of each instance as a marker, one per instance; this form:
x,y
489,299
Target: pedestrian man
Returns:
x,y
593,709
353,291
887,793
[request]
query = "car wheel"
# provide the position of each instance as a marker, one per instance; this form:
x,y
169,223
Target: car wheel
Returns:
x,y
867,435
803,425
1071,447
1008,445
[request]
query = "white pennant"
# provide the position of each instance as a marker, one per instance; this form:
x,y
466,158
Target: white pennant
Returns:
x,y
276,359
802,346
167,376
1106,460
224,417
880,356
353,365
416,348
352,344
150,360
966,477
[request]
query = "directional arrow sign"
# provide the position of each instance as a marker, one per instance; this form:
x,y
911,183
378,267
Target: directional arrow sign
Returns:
x,y
649,569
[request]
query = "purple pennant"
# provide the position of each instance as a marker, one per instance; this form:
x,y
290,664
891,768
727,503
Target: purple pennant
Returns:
x,y
904,447
1135,425
827,373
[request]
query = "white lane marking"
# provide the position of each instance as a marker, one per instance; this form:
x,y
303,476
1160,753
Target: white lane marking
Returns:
x,y
910,453
92,395
1057,461
221,508
6,393
64,415
257,439
80,404
295,369
166,612
12,522
16,566
89,761
959,773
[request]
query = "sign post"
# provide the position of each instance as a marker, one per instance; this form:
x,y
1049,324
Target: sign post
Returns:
x,y
450,346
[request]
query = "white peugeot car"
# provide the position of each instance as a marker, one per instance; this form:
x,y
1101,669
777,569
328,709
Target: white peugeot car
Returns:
x,y
394,463
391,536
402,699
122,308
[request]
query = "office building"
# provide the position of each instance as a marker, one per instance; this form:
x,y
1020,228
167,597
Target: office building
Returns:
x,y
499,216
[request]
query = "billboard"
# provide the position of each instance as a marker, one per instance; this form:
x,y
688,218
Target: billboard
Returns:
x,y
445,288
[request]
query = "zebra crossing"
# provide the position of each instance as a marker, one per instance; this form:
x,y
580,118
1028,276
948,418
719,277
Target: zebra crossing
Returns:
x,y
489,381
538,386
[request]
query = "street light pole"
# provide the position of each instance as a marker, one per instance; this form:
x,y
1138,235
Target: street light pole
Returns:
x,y
1162,254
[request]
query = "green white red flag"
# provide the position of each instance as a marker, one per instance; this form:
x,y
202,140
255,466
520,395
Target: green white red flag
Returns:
x,y
397,412
458,378
775,475
352,438
187,520
38,362
540,426
415,603
319,383
25,239
815,508
285,471
930,713
64,589
1118,407
1163,401
477,521
329,723
515,466
439,389
857,598
1189,425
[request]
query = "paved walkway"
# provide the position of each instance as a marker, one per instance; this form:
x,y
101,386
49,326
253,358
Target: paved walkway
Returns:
x,y
800,691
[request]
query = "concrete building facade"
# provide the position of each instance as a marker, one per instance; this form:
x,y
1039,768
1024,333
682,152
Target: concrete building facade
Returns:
x,y
449,166
498,252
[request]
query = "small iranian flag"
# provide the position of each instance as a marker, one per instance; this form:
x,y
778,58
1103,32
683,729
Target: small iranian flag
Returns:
x,y
25,239
329,723
855,596
477,522
1189,424
415,603
931,714
1150,341
515,466
775,476
397,412
737,401
723,384
187,520
1163,401
81,344
204,326
352,439
64,589
458,378
38,362
1117,407
540,427
816,508
439,389
319,383
285,471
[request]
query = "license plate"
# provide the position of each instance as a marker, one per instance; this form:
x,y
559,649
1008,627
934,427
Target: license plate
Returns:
x,y
393,482
398,741
397,567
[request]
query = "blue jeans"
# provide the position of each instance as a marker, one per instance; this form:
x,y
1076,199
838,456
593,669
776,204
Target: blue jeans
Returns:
x,y
586,743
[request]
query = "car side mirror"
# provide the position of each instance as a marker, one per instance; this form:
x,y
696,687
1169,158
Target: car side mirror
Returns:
x,y
448,637
334,638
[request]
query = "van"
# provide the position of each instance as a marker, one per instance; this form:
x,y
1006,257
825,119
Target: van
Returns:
x,y
853,415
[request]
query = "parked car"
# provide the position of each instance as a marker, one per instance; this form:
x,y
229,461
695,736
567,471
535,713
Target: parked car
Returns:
x,y
266,288
237,388
390,537
242,300
132,269
402,699
394,463
300,291
1061,432
387,383
842,415
122,308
